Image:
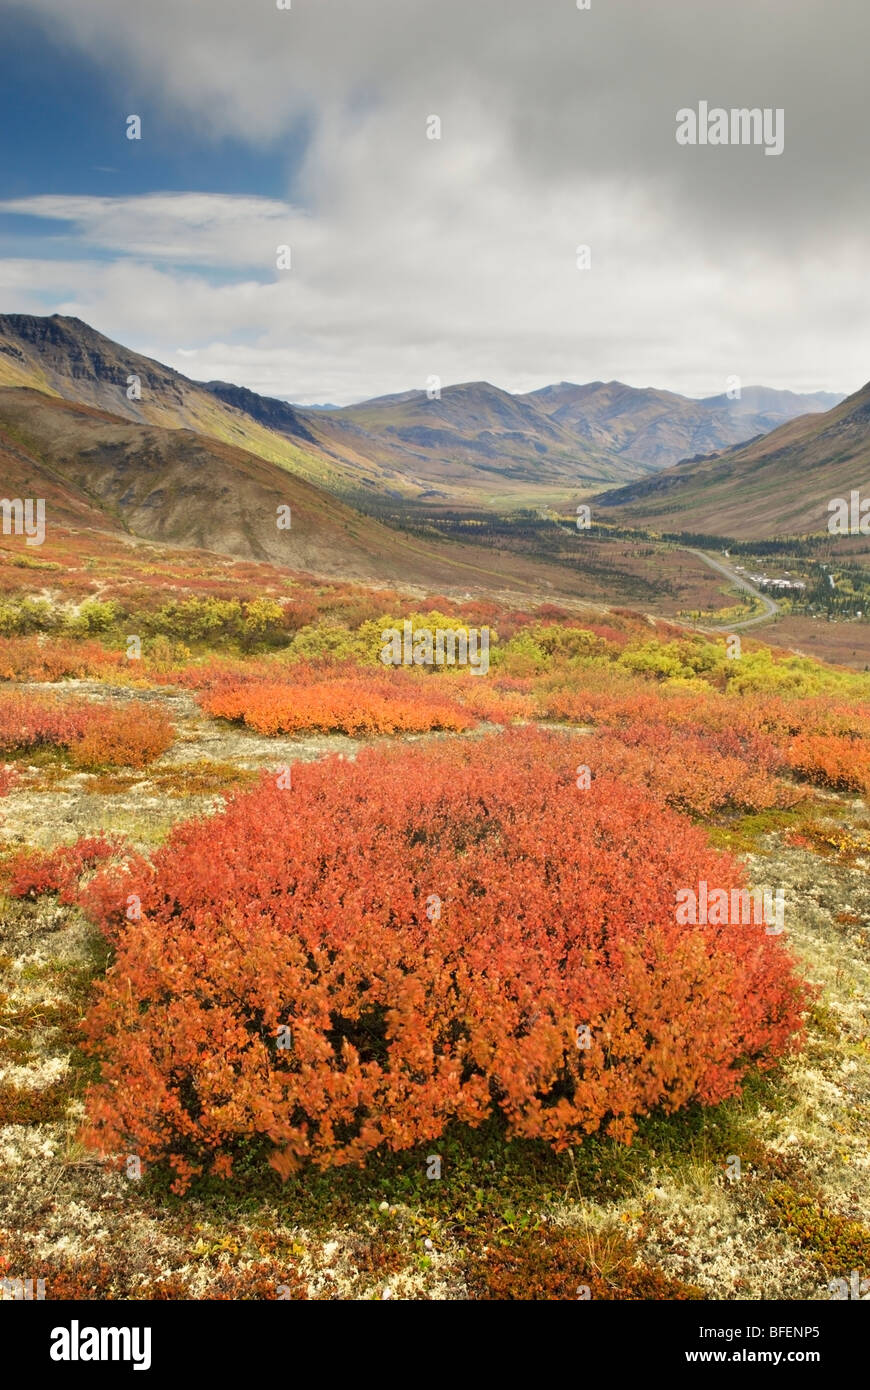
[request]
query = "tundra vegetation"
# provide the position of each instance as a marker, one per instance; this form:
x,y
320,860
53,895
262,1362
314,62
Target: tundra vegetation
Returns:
x,y
324,979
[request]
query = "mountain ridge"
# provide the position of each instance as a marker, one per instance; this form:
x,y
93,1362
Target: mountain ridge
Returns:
x,y
64,356
475,443
100,474
661,428
776,485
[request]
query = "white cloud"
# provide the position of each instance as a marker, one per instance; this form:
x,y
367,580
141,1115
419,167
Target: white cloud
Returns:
x,y
200,229
456,257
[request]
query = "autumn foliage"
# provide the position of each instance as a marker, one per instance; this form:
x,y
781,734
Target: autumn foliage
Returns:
x,y
130,735
358,703
841,761
32,659
743,745
31,873
94,734
696,772
418,938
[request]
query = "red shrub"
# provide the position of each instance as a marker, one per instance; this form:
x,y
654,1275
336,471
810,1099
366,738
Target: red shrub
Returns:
x,y
94,734
433,927
30,721
694,772
823,741
34,872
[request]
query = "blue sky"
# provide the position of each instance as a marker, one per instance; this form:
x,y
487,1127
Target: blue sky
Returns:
x,y
455,257
63,130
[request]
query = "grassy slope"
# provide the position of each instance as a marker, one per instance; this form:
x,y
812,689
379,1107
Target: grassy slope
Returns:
x,y
184,489
66,357
779,485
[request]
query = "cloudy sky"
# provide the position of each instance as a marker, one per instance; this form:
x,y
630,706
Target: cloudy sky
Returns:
x,y
456,257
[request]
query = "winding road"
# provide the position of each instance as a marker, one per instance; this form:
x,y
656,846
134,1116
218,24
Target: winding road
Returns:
x,y
769,606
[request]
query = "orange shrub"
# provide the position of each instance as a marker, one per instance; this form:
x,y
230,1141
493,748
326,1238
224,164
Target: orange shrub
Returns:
x,y
130,735
834,760
94,734
53,659
351,705
497,703
695,772
218,672
599,701
826,742
414,939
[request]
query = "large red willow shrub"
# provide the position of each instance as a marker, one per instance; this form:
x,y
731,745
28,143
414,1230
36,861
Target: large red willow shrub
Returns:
x,y
433,927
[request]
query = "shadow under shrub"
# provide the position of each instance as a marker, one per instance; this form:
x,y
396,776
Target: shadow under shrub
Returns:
x,y
431,928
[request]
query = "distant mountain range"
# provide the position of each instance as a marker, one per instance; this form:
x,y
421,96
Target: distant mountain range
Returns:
x,y
778,485
474,445
476,432
511,452
659,428
137,445
99,473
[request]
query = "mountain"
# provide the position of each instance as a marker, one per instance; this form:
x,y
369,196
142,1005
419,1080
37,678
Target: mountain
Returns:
x,y
451,450
67,358
778,485
659,428
178,487
477,428
101,475
473,446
